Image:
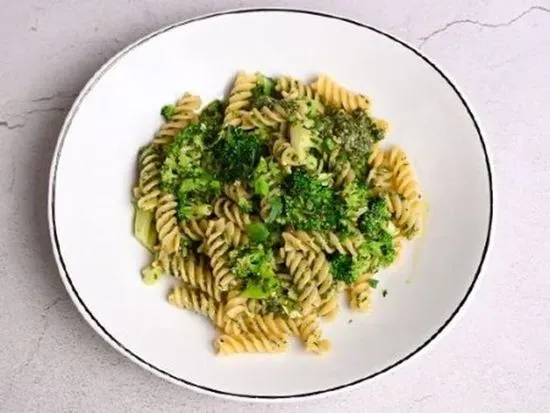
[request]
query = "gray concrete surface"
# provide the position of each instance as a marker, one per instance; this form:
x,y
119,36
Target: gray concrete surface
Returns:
x,y
497,357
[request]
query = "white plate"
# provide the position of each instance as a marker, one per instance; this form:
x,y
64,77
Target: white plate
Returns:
x,y
93,170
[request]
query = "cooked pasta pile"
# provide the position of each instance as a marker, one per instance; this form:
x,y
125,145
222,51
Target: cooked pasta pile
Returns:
x,y
264,207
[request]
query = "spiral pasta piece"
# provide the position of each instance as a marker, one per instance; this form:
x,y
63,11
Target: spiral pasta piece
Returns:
x,y
167,224
187,298
239,98
248,343
407,214
299,268
286,154
264,117
195,229
380,179
333,94
330,305
183,115
315,241
236,305
359,293
377,157
271,325
195,272
148,191
255,307
216,247
403,176
311,335
225,208
299,241
330,243
320,271
238,193
291,88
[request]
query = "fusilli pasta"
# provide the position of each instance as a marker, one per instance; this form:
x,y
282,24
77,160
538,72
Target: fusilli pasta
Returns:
x,y
248,343
332,93
183,113
225,208
239,98
167,224
263,207
148,189
289,87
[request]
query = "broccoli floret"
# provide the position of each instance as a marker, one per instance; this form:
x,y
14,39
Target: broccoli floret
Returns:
x,y
340,266
237,154
375,219
183,175
195,195
256,266
310,204
378,252
346,268
357,132
375,224
211,121
263,92
267,174
356,197
167,111
182,158
275,208
257,232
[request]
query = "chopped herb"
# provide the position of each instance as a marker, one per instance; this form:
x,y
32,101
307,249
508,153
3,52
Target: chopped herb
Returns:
x,y
373,282
257,232
167,112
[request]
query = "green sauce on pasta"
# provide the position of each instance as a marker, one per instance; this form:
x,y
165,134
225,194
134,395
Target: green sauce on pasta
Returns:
x,y
262,206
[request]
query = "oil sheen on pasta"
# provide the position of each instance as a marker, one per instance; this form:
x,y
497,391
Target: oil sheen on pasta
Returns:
x,y
264,207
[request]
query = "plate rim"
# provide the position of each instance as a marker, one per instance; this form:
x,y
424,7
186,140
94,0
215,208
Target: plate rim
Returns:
x,y
121,348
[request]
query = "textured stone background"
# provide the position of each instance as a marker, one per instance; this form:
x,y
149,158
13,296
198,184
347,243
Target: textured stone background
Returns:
x,y
496,359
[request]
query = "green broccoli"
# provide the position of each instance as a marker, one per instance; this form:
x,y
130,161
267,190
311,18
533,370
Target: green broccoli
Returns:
x,y
356,197
268,173
167,111
310,204
346,268
256,266
263,92
380,252
257,232
195,195
211,121
357,132
376,226
375,219
183,157
182,174
237,154
275,208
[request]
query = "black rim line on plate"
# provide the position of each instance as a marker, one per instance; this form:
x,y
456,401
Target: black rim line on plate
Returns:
x,y
134,356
